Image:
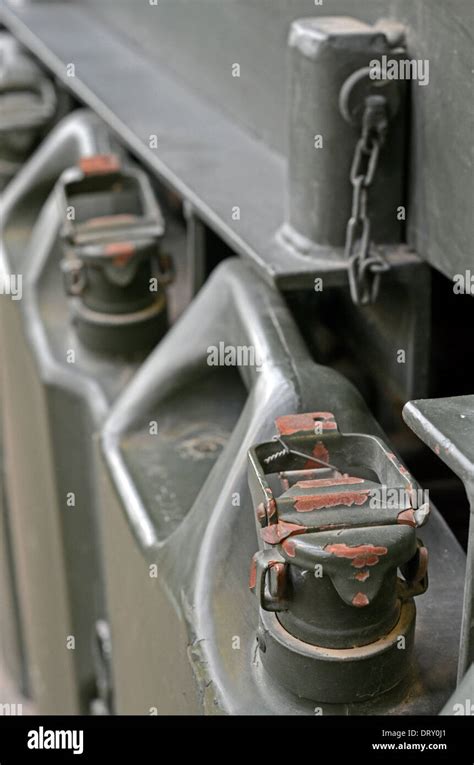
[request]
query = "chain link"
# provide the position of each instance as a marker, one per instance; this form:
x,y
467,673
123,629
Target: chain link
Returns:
x,y
365,267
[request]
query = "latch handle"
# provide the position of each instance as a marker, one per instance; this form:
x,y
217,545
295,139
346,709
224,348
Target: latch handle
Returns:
x,y
263,563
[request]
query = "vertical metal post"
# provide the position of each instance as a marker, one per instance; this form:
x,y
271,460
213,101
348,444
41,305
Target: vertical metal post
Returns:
x,y
324,53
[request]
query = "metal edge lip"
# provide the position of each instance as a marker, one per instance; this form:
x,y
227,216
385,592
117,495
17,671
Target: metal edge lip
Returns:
x,y
118,320
385,643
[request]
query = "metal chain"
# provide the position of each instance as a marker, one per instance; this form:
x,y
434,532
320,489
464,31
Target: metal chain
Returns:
x,y
365,267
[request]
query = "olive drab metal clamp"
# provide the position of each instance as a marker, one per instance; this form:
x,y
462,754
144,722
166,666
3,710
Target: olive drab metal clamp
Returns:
x,y
113,269
336,518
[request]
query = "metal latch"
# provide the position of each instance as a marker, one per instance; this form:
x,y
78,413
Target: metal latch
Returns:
x,y
337,518
112,261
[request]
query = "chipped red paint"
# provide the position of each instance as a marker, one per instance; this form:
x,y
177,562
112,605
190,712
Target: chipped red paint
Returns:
x,y
109,220
361,576
401,468
253,572
320,452
407,517
120,252
277,532
305,504
280,570
289,547
362,555
360,600
119,248
302,423
437,449
271,508
100,164
322,482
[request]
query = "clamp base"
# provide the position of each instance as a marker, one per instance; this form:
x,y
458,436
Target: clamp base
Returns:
x,y
120,334
334,676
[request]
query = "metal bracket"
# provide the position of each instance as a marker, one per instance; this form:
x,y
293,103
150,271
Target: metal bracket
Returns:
x,y
446,425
